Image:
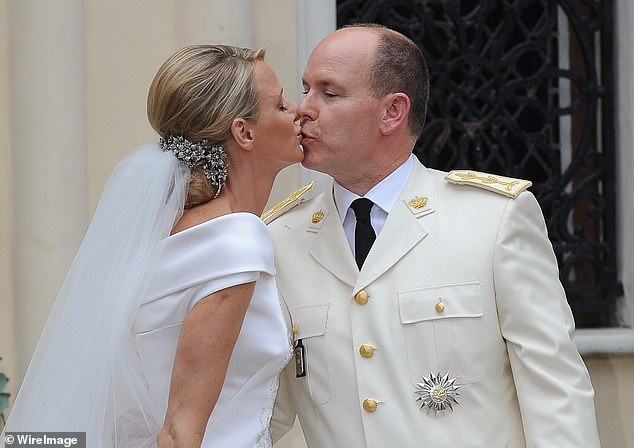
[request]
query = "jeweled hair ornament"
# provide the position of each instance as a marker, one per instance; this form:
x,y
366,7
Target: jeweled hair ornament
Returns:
x,y
191,154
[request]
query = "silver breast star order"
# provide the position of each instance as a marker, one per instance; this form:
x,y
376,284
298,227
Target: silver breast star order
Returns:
x,y
438,392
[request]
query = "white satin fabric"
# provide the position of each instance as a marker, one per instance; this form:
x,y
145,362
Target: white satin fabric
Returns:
x,y
226,251
104,360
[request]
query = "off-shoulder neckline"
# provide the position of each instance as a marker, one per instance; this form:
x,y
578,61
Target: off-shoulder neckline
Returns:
x,y
209,222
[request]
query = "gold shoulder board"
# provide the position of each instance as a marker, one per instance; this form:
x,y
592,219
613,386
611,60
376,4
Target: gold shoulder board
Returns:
x,y
507,186
286,204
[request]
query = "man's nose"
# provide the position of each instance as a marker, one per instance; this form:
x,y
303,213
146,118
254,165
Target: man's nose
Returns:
x,y
305,109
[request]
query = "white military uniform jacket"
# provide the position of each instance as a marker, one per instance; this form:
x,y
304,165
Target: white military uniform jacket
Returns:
x,y
460,281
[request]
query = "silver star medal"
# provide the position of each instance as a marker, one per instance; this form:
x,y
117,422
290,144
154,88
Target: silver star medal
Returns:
x,y
437,392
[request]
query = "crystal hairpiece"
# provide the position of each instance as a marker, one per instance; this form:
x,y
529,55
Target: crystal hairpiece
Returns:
x,y
191,154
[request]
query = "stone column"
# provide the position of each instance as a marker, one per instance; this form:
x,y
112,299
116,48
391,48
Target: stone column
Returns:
x,y
47,157
315,20
7,333
214,21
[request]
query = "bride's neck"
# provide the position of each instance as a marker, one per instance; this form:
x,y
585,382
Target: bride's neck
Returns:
x,y
248,191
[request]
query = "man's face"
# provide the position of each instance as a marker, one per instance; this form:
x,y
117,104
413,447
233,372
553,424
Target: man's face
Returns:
x,y
339,117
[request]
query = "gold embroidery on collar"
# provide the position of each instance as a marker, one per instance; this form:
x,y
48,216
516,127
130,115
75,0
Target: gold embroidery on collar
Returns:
x,y
418,202
317,216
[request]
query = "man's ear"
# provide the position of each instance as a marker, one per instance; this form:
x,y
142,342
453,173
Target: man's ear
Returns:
x,y
242,133
395,112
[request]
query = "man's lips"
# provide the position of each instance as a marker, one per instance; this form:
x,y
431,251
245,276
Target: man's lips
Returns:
x,y
307,138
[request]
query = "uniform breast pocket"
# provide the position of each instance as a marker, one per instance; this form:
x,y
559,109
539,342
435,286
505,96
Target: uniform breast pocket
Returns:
x,y
310,323
440,325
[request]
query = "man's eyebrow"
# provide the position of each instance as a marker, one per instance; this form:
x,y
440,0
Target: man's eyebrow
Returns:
x,y
321,83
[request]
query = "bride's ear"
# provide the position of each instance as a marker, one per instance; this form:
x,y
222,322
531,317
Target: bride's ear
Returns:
x,y
242,133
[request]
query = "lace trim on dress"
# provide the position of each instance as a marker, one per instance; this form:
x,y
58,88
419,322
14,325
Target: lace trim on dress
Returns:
x,y
264,436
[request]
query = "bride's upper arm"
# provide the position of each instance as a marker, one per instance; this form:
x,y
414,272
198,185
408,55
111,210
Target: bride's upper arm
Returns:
x,y
207,338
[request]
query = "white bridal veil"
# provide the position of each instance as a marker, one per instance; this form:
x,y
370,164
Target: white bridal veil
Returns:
x,y
84,375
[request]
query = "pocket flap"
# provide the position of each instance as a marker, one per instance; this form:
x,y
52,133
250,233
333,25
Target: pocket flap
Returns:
x,y
458,300
310,320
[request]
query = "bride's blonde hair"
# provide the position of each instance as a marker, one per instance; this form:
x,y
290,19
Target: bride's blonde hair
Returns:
x,y
197,93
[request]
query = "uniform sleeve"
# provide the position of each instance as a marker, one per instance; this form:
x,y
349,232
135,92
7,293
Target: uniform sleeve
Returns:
x,y
553,385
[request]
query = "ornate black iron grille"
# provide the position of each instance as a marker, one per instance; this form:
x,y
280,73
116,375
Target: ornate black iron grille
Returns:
x,y
525,88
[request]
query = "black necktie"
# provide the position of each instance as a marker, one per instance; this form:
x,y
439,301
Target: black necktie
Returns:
x,y
364,234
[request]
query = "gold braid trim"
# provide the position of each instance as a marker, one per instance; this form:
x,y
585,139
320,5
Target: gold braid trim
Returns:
x,y
274,211
507,186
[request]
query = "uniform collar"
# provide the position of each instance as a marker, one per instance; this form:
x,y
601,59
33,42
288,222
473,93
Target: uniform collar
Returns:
x,y
384,194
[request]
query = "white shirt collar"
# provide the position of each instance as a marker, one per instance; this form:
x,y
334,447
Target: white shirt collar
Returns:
x,y
384,194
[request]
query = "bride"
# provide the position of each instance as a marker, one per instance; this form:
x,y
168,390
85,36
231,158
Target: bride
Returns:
x,y
168,331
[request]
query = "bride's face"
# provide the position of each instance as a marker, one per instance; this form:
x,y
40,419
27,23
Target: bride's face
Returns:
x,y
277,135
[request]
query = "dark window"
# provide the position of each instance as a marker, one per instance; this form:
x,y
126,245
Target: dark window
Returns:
x,y
524,88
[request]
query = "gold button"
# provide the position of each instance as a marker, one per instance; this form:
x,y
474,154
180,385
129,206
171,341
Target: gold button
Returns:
x,y
440,307
294,329
361,297
369,405
366,350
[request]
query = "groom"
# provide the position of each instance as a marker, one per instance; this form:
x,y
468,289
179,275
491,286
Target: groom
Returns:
x,y
431,315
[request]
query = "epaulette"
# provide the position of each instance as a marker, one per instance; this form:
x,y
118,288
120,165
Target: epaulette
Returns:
x,y
286,204
507,186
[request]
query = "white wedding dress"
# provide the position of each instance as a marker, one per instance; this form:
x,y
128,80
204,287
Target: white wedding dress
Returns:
x,y
226,251
104,360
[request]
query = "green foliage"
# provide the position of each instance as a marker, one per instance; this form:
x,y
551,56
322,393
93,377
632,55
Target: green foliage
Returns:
x,y
4,398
